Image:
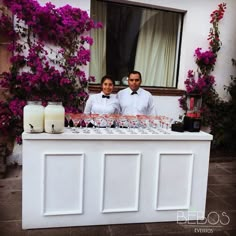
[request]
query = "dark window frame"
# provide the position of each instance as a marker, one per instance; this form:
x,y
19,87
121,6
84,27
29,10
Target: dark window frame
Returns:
x,y
154,90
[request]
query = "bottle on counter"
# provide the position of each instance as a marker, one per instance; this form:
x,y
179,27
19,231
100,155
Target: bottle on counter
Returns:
x,y
33,117
54,117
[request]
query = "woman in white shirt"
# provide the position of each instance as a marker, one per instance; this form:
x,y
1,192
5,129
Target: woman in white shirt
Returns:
x,y
104,102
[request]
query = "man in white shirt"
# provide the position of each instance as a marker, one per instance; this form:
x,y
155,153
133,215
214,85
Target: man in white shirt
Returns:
x,y
135,100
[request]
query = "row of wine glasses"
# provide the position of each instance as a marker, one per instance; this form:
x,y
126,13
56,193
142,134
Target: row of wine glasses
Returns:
x,y
77,121
141,122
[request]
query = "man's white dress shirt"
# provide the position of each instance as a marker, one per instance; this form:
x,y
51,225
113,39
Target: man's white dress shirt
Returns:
x,y
136,104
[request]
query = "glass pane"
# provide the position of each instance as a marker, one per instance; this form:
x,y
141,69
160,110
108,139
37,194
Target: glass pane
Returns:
x,y
123,24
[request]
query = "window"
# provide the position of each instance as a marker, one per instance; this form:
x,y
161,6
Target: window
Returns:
x,y
136,38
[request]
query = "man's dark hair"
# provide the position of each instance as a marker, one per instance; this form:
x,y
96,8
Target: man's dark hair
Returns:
x,y
135,72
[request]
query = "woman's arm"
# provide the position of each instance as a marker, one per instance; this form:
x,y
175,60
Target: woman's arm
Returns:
x,y
88,106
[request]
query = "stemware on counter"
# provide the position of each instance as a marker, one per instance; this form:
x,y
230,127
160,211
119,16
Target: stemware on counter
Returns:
x,y
135,124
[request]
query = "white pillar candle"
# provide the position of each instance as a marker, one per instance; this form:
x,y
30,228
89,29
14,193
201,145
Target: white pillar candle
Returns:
x,y
54,117
33,117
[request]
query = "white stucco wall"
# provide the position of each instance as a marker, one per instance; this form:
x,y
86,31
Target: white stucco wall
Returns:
x,y
195,32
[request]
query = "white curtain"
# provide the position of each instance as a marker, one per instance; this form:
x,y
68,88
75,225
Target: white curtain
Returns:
x,y
156,48
97,66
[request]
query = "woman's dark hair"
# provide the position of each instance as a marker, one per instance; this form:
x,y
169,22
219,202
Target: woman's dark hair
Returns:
x,y
135,72
107,77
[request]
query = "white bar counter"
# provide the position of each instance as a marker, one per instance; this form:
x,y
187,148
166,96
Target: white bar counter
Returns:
x,y
127,176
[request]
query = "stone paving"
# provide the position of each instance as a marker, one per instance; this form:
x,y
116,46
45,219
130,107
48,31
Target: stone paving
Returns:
x,y
220,210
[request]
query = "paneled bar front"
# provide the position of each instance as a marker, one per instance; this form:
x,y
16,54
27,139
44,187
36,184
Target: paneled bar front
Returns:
x,y
75,179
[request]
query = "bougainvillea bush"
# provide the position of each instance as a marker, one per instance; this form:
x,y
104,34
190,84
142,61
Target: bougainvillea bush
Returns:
x,y
202,81
50,47
223,126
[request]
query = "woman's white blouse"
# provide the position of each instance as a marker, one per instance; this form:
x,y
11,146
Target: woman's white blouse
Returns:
x,y
97,104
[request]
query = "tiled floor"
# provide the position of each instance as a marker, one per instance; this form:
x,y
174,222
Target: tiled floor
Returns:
x,y
220,210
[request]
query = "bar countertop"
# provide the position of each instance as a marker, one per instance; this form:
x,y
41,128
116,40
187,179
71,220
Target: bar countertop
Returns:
x,y
120,134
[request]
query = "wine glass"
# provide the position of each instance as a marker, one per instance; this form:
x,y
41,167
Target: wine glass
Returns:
x,y
117,122
166,122
93,121
143,123
76,118
69,119
132,123
169,122
162,121
153,124
86,118
123,121
109,122
98,119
